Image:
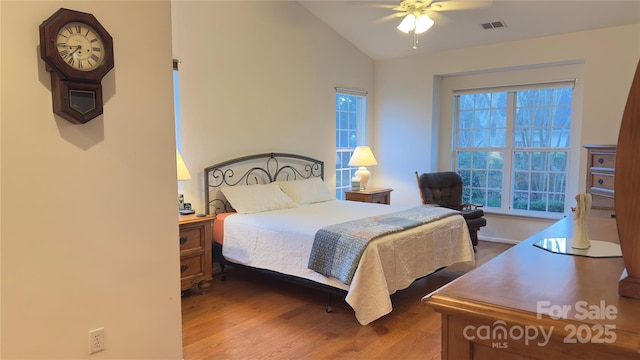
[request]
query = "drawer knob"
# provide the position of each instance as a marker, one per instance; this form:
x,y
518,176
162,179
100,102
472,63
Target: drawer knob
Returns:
x,y
183,239
600,161
183,268
600,181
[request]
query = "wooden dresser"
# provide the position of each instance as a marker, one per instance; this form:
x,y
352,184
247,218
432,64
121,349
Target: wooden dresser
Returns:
x,y
513,307
601,163
196,234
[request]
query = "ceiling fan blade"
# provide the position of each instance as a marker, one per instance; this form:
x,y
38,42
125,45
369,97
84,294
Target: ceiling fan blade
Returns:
x,y
382,6
438,18
397,15
453,5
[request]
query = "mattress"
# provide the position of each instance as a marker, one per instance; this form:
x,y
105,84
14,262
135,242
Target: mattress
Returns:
x,y
281,241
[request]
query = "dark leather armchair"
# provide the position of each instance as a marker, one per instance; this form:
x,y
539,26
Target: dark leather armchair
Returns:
x,y
445,189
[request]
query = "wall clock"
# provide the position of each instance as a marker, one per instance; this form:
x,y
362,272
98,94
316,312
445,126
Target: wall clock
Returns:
x,y
78,52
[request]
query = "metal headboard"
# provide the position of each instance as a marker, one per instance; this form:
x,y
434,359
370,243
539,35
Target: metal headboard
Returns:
x,y
255,169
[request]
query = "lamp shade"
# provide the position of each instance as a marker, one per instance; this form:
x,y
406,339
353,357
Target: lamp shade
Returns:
x,y
407,24
423,23
362,156
183,172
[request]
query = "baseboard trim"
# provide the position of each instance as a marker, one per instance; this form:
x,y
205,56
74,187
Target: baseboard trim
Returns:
x,y
498,240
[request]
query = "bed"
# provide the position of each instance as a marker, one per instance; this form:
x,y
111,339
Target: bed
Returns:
x,y
257,228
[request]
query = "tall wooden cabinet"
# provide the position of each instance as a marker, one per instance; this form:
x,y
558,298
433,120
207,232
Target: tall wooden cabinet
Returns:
x,y
601,162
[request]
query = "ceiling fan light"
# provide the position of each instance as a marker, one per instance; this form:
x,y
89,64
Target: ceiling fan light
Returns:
x,y
407,24
423,23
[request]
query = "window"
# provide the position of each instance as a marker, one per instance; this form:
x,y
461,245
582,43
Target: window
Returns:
x,y
350,125
176,102
512,146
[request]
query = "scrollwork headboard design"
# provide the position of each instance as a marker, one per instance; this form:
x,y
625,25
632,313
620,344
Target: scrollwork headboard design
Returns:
x,y
255,169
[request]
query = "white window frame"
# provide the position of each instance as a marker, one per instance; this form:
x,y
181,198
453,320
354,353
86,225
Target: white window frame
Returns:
x,y
341,186
176,104
510,148
550,73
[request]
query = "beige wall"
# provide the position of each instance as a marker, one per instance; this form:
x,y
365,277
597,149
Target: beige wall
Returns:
x,y
259,77
88,212
407,103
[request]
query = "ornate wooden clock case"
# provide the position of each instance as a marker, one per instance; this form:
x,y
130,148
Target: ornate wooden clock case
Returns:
x,y
78,52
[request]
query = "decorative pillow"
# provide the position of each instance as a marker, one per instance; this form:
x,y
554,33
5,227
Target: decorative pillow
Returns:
x,y
257,198
306,191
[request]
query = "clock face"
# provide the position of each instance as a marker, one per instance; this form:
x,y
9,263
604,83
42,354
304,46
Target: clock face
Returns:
x,y
80,46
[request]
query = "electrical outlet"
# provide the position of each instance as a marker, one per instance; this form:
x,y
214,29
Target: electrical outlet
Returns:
x,y
96,340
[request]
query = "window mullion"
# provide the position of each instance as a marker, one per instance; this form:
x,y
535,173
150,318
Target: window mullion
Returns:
x,y
507,180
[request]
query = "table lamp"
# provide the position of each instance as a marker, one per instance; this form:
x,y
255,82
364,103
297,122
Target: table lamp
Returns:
x,y
363,157
183,174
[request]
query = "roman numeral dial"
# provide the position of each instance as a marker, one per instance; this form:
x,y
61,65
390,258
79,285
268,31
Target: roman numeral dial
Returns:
x,y
80,46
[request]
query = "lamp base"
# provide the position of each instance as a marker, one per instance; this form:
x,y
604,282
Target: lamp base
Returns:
x,y
363,174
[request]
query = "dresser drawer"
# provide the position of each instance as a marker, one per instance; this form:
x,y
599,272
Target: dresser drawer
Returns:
x,y
602,180
191,237
603,160
602,201
601,175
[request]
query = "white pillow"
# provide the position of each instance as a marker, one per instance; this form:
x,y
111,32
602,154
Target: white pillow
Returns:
x,y
257,198
306,191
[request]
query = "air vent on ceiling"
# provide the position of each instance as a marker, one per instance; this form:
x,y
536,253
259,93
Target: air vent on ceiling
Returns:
x,y
494,25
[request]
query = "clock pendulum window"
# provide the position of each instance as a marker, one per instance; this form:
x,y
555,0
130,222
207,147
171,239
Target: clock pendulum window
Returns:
x,y
78,52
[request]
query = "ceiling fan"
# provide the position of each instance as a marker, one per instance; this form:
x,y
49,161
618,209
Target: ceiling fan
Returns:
x,y
416,13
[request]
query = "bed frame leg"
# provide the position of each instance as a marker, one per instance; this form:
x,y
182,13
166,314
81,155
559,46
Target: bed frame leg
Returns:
x,y
218,258
328,308
223,276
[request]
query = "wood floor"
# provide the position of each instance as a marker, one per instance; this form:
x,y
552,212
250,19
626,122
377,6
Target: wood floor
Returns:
x,y
251,316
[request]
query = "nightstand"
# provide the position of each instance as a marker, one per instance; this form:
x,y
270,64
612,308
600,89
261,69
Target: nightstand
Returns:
x,y
371,195
196,234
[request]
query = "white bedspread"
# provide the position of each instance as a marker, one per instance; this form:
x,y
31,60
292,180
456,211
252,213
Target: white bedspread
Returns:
x,y
281,241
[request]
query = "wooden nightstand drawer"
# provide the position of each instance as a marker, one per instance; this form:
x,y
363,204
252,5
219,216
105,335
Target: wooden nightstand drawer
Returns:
x,y
192,266
380,198
192,237
358,196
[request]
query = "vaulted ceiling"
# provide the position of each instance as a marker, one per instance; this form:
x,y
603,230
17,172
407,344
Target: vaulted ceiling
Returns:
x,y
369,26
